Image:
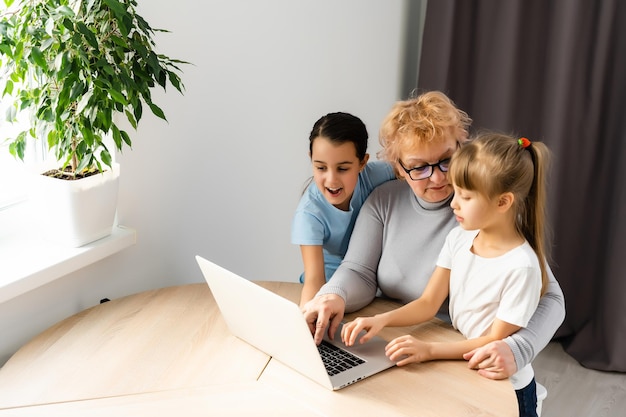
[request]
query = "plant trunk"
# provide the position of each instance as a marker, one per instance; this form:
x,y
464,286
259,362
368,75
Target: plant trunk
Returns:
x,y
74,162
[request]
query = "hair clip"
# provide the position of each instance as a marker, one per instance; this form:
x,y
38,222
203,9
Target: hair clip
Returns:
x,y
523,142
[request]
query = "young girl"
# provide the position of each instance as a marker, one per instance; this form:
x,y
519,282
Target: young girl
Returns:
x,y
489,265
342,180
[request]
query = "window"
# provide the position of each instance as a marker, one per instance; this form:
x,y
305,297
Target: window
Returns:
x,y
12,170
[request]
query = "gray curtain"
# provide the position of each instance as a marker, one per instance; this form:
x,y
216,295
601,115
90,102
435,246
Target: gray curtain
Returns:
x,y
553,71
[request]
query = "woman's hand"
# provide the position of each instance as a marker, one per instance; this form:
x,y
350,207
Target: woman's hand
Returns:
x,y
324,312
407,349
371,325
495,360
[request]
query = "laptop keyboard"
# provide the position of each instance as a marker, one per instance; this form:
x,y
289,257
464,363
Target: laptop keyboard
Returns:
x,y
337,360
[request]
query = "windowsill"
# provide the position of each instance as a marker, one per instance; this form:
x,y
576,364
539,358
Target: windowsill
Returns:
x,y
28,262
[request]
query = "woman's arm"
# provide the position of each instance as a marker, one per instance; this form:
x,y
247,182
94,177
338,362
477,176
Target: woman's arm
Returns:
x,y
356,278
529,341
314,271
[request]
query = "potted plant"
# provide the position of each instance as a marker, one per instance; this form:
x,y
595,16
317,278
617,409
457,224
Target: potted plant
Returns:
x,y
74,65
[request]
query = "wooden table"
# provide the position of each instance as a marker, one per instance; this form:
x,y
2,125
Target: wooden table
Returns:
x,y
169,352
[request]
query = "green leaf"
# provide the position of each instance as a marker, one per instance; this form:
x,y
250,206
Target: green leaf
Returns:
x,y
162,79
104,116
175,81
18,50
154,65
16,77
147,96
81,148
24,103
141,51
66,66
98,164
138,111
131,119
119,41
105,156
117,137
128,82
77,90
6,50
17,147
117,96
144,26
3,28
63,98
117,7
8,88
52,139
47,114
38,58
121,25
65,11
122,16
84,162
88,34
126,138
156,110
67,23
88,136
109,70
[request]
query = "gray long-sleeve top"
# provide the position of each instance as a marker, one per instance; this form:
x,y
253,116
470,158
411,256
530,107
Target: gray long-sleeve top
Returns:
x,y
393,251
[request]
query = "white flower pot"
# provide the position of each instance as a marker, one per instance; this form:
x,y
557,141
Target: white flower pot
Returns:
x,y
74,213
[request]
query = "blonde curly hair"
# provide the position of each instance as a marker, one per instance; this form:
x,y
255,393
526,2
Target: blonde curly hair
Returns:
x,y
429,117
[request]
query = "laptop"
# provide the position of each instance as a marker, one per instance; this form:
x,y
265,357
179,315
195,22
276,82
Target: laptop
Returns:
x,y
277,327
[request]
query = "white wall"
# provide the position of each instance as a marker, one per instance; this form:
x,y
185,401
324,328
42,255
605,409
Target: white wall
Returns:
x,y
223,177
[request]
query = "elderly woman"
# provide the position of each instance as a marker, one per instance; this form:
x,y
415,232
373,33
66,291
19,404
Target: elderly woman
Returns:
x,y
401,229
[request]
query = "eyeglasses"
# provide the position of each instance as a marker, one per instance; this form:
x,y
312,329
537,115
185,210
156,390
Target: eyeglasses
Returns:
x,y
426,171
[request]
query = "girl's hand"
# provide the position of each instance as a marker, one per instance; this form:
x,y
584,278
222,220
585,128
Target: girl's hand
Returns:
x,y
350,330
407,349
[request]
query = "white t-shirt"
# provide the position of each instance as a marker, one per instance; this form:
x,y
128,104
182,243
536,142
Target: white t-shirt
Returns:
x,y
507,287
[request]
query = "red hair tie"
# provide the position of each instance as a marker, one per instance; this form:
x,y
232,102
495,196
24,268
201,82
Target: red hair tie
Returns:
x,y
523,142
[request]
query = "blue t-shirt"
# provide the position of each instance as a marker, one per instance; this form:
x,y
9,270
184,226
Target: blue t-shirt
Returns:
x,y
317,222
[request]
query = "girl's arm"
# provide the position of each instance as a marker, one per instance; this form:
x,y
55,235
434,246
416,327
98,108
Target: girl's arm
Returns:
x,y
415,312
407,349
314,271
425,307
